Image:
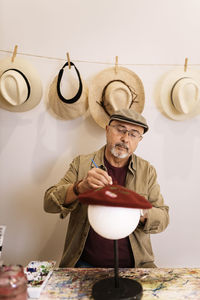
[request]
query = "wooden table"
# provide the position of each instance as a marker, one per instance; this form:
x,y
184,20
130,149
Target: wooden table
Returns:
x,y
72,283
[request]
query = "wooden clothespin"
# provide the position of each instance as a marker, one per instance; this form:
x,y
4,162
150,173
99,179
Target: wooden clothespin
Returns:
x,y
68,59
185,65
14,53
116,64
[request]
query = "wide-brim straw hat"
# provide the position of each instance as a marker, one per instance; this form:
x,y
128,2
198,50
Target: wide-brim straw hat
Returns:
x,y
74,107
180,94
20,85
112,90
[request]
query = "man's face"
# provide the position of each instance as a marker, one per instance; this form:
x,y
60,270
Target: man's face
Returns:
x,y
120,142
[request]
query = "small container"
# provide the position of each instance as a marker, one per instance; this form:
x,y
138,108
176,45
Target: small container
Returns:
x,y
13,283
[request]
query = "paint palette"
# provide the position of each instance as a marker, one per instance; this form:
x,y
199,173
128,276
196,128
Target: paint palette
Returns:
x,y
38,273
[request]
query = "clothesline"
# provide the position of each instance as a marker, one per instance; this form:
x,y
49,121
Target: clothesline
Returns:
x,y
94,62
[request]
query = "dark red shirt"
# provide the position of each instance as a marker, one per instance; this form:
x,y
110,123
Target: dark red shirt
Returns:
x,y
99,251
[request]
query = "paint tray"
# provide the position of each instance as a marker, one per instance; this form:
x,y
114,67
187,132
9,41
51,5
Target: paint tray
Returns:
x,y
38,273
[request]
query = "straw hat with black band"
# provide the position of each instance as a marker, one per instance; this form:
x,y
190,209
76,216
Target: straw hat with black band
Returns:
x,y
110,91
180,94
20,85
68,108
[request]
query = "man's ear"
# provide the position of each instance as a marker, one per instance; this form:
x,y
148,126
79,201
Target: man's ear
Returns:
x,y
106,129
141,138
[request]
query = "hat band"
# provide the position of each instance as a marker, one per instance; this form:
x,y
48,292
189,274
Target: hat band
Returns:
x,y
26,80
77,96
133,95
173,89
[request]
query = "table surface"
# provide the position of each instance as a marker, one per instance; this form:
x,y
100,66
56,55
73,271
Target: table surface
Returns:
x,y
158,283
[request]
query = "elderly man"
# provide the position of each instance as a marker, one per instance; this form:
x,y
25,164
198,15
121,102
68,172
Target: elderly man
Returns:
x,y
113,163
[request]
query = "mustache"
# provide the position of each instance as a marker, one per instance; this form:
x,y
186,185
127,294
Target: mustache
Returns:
x,y
123,145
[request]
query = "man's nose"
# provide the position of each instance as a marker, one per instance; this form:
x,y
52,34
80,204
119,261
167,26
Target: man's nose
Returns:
x,y
125,137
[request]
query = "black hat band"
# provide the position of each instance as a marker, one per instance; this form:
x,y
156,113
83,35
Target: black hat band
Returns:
x,y
78,95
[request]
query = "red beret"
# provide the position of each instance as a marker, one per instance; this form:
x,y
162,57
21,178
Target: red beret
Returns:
x,y
114,195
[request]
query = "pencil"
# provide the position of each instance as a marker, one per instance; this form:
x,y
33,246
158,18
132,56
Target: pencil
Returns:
x,y
94,163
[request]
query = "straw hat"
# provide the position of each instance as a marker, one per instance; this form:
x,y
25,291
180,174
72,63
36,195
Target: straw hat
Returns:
x,y
20,85
180,94
68,108
110,91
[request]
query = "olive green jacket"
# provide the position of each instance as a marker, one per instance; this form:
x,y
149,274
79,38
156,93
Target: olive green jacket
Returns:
x,y
141,178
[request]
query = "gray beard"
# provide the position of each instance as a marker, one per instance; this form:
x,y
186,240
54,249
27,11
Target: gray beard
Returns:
x,y
115,152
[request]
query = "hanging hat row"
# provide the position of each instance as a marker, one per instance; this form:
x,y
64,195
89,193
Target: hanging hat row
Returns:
x,y
111,89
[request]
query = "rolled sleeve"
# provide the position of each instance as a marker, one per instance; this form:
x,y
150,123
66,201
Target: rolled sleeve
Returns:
x,y
55,198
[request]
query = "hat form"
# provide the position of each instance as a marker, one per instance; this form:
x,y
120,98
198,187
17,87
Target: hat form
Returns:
x,y
180,94
68,108
116,196
20,85
110,91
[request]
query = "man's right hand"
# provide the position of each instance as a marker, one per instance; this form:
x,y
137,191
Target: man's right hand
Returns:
x,y
95,178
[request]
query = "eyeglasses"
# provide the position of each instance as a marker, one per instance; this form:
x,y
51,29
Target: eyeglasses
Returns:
x,y
133,134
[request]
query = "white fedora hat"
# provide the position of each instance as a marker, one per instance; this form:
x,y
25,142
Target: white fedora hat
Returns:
x,y
110,91
68,108
20,85
180,94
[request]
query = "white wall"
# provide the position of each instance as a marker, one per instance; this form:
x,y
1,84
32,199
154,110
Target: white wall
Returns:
x,y
150,37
